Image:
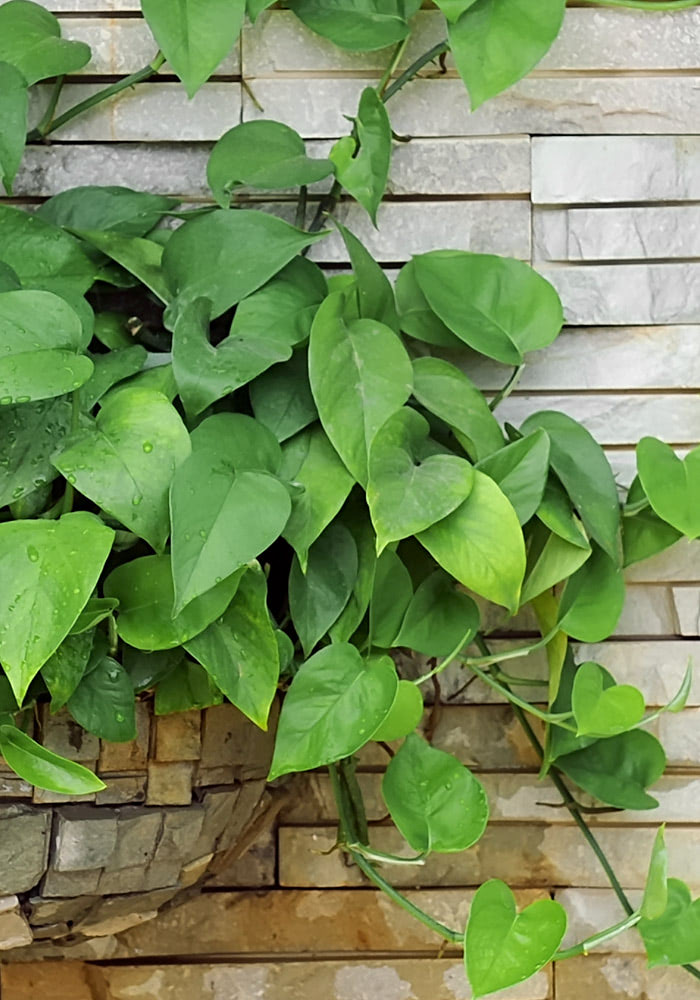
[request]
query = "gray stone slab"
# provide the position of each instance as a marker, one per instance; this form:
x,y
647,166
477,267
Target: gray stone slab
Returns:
x,y
137,836
85,838
24,847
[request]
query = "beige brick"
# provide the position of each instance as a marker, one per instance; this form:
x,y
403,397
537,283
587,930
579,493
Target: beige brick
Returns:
x,y
178,736
590,909
122,791
169,784
231,740
256,868
619,977
132,756
61,734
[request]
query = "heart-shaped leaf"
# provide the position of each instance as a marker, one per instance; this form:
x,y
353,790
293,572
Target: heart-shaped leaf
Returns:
x,y
618,770
673,938
288,303
602,709
30,40
417,319
404,715
358,25
334,705
436,802
126,459
45,769
671,484
13,122
362,167
185,687
355,517
521,469
503,947
453,9
411,484
437,618
240,441
655,898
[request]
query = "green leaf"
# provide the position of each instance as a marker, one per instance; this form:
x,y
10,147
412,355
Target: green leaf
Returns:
x,y
374,292
593,598
674,937
363,168
225,256
222,519
145,670
281,397
126,459
603,710
644,534
256,7
30,40
186,687
194,37
503,947
655,898
392,591
334,705
556,512
44,256
310,460
618,770
417,319
107,209
240,441
438,617
95,611
453,9
110,369
142,258
358,25
355,517
404,715
585,473
500,307
447,392
29,434
39,360
550,559
288,303
45,769
436,802
481,545
103,702
261,154
410,487
51,569
63,671
520,470
369,361
319,593
13,122
9,282
495,43
144,589
239,650
671,484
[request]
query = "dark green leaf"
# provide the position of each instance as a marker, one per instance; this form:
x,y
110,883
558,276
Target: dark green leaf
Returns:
x,y
374,292
644,534
618,770
391,594
405,714
29,434
145,670
556,512
359,25
355,517
281,397
142,258
287,303
438,617
671,484
44,256
520,470
9,282
103,702
110,369
30,40
13,122
593,598
186,687
45,769
63,671
95,611
107,209
674,937
362,162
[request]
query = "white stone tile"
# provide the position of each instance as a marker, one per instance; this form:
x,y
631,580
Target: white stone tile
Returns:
x,y
687,605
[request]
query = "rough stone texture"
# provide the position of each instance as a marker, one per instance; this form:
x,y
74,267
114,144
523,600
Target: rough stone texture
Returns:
x,y
65,737
256,868
619,977
120,791
229,740
85,839
169,783
132,756
178,736
24,847
687,604
15,931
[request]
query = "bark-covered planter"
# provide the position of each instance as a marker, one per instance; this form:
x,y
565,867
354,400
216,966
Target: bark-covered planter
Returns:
x,y
178,799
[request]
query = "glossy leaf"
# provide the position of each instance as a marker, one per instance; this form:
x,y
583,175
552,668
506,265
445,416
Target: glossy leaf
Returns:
x,y
556,512
500,307
261,154
581,465
319,593
239,650
63,671
45,769
550,559
495,43
225,256
30,40
404,715
602,710
240,441
144,589
502,947
103,702
13,122
95,611
334,705
47,584
618,770
44,256
644,534
444,390
109,370
29,434
126,459
655,899
107,209
362,166
416,318
392,590
374,292
481,544
194,37
142,258
593,598
359,25
411,485
281,397
368,359
438,617
520,470
436,803
673,938
671,484
188,686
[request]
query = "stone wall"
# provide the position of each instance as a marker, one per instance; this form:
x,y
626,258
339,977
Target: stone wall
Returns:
x,y
590,168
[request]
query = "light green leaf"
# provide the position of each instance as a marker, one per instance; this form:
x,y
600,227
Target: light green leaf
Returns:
x,y
410,486
63,671
447,392
437,618
281,397
481,545
13,122
404,715
319,593
256,7
502,947
107,209
103,702
45,769
126,459
453,9
144,589
194,37
358,25
671,484
29,434
368,361
30,40
363,169
601,709
557,513
374,292
673,938
645,534
261,154
550,559
495,43
392,591
187,687
334,705
593,598
618,770
500,307
436,802
51,569
95,611
417,319
520,470
655,898
142,258
44,256
239,650
240,441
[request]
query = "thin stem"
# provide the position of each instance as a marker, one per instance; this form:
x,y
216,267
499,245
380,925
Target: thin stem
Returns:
x,y
300,217
507,388
391,68
597,939
524,681
386,859
415,68
526,706
450,658
632,509
47,117
511,654
99,97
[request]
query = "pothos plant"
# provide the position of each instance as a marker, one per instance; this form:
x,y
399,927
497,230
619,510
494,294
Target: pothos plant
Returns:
x,y
225,475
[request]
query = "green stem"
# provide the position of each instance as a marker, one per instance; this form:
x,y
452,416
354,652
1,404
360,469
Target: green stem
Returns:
x,y
415,68
385,859
558,719
507,388
391,68
524,681
67,503
597,939
99,97
450,658
47,117
300,217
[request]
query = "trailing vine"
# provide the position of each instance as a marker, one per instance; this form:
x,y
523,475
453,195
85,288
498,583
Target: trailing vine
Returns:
x,y
224,475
